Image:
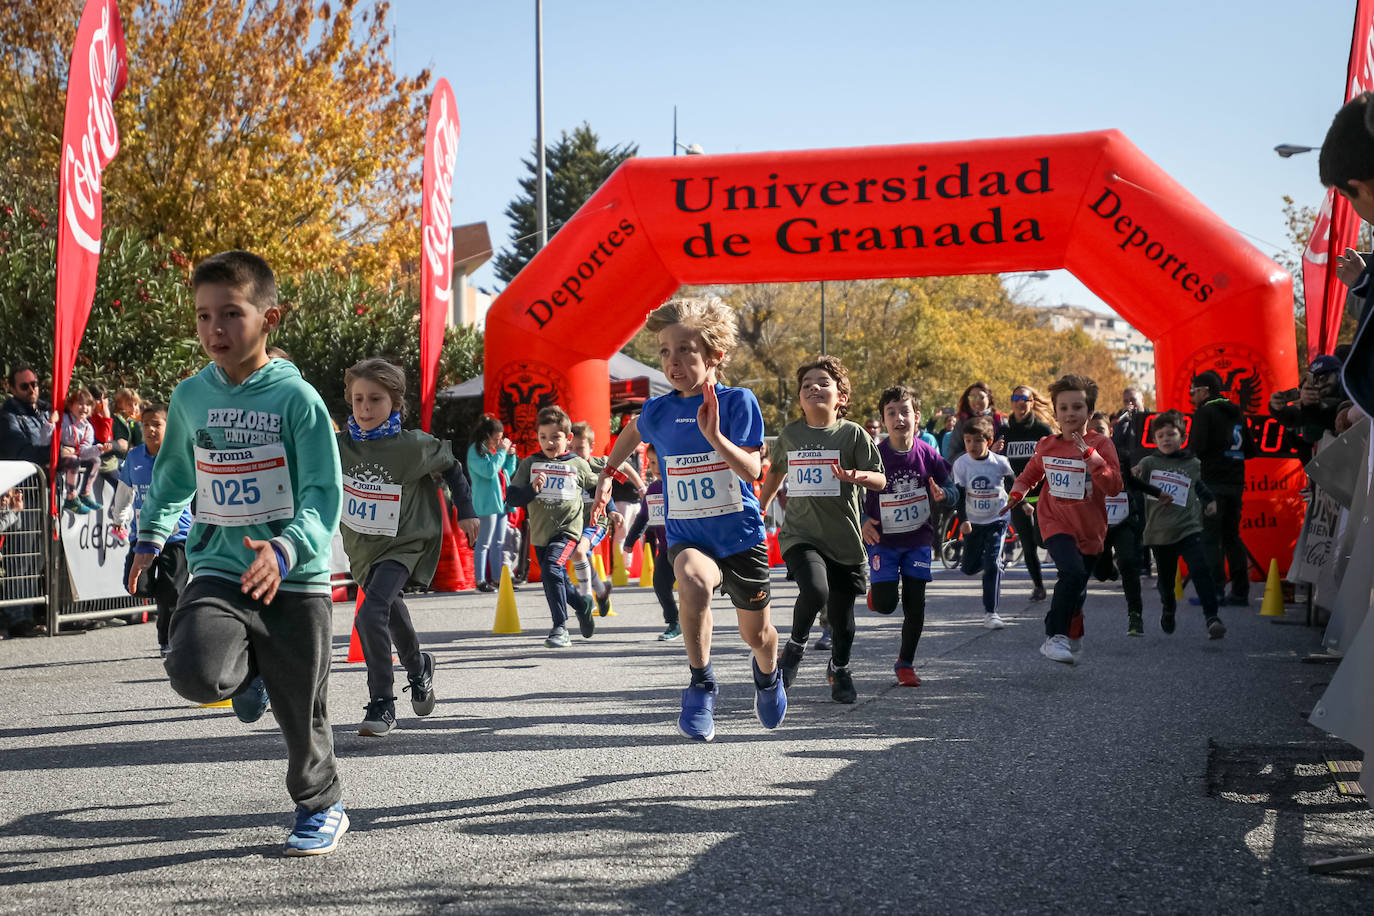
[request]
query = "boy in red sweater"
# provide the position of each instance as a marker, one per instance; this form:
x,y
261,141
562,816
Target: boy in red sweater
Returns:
x,y
1080,470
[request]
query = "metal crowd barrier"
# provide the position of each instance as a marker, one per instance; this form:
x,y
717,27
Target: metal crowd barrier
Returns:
x,y
25,546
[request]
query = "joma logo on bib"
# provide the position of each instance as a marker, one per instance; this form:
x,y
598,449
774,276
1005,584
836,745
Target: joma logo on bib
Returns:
x,y
685,460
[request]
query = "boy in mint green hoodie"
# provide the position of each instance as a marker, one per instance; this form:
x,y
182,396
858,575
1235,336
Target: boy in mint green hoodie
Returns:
x,y
252,443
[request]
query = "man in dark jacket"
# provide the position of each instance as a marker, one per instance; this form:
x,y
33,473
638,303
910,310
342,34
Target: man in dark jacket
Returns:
x,y
1217,438
26,426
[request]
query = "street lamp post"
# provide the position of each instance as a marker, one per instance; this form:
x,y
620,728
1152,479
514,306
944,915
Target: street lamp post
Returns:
x,y
1288,150
541,208
693,149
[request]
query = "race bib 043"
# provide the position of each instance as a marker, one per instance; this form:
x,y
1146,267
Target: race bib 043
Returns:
x,y
370,507
243,486
701,486
809,473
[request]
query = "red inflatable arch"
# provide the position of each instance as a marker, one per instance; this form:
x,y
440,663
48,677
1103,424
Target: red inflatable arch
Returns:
x,y
1089,202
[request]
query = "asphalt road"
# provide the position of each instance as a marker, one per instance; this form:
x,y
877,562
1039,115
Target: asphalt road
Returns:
x,y
1161,775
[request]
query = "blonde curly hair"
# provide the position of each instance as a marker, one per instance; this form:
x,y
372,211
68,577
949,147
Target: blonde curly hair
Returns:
x,y
710,317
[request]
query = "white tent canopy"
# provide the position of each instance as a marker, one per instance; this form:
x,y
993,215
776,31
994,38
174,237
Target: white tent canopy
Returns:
x,y
621,367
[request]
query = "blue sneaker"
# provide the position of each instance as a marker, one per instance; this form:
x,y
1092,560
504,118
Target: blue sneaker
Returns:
x,y
698,718
251,702
317,834
770,706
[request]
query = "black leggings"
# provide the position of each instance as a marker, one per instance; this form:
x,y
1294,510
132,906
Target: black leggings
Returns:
x,y
1024,526
823,583
884,599
664,579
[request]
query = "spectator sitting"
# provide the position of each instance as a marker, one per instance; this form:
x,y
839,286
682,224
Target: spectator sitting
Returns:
x,y
26,433
80,456
102,422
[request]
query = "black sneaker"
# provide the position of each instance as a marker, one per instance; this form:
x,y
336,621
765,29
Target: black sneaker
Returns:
x,y
1135,626
789,661
585,621
603,603
841,684
421,687
485,586
1166,621
379,718
1215,628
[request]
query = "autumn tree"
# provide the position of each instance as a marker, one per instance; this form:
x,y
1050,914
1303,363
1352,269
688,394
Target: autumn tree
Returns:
x,y
276,125
575,166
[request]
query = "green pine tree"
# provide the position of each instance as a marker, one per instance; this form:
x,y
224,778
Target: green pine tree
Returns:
x,y
577,165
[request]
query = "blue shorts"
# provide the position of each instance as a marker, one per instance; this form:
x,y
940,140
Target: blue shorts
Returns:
x,y
889,564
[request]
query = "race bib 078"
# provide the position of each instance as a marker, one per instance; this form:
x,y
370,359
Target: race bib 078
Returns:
x,y
560,481
701,486
245,486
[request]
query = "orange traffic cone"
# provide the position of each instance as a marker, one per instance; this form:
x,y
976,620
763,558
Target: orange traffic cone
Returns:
x,y
355,646
448,575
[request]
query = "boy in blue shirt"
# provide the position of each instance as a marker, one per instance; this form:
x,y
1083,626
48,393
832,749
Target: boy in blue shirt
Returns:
x,y
708,437
166,578
251,441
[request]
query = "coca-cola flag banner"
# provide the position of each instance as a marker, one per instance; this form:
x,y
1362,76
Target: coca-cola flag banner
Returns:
x,y
89,141
436,256
1337,227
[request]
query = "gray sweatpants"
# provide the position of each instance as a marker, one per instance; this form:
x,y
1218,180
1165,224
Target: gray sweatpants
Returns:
x,y
221,639
383,619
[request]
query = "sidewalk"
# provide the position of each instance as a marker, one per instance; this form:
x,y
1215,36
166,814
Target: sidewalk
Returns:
x,y
1162,775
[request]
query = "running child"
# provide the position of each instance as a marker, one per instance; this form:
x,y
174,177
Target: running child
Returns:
x,y
252,442
899,528
392,530
649,522
550,483
1031,420
980,476
707,437
1173,521
166,578
828,463
589,581
1125,521
1080,471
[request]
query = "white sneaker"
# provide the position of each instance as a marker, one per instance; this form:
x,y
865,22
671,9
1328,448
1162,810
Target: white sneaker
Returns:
x,y
992,622
1076,647
1056,649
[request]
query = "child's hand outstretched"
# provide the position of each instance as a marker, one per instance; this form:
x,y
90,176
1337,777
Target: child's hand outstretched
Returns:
x,y
708,414
602,500
1349,266
1210,508
848,475
1166,499
966,528
870,532
263,577
538,480
937,492
139,565
1079,441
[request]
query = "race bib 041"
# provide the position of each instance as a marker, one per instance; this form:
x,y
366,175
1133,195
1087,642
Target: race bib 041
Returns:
x,y
701,486
243,486
809,472
370,507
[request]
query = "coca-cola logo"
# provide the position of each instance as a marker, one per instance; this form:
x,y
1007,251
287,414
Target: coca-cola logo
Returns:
x,y
88,151
440,153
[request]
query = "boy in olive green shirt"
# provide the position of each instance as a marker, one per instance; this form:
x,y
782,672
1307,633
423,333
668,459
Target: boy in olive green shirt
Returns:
x,y
828,463
550,484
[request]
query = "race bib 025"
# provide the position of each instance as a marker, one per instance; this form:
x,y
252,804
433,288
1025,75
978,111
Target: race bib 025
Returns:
x,y
243,486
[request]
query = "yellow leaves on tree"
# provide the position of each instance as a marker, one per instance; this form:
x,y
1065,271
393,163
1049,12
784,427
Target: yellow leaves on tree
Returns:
x,y
935,334
276,125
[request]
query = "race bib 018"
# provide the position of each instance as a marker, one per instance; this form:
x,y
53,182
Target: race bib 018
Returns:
x,y
701,486
370,507
809,473
243,486
560,481
1066,477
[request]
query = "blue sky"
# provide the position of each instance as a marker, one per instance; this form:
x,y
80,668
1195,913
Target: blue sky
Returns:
x,y
1206,89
